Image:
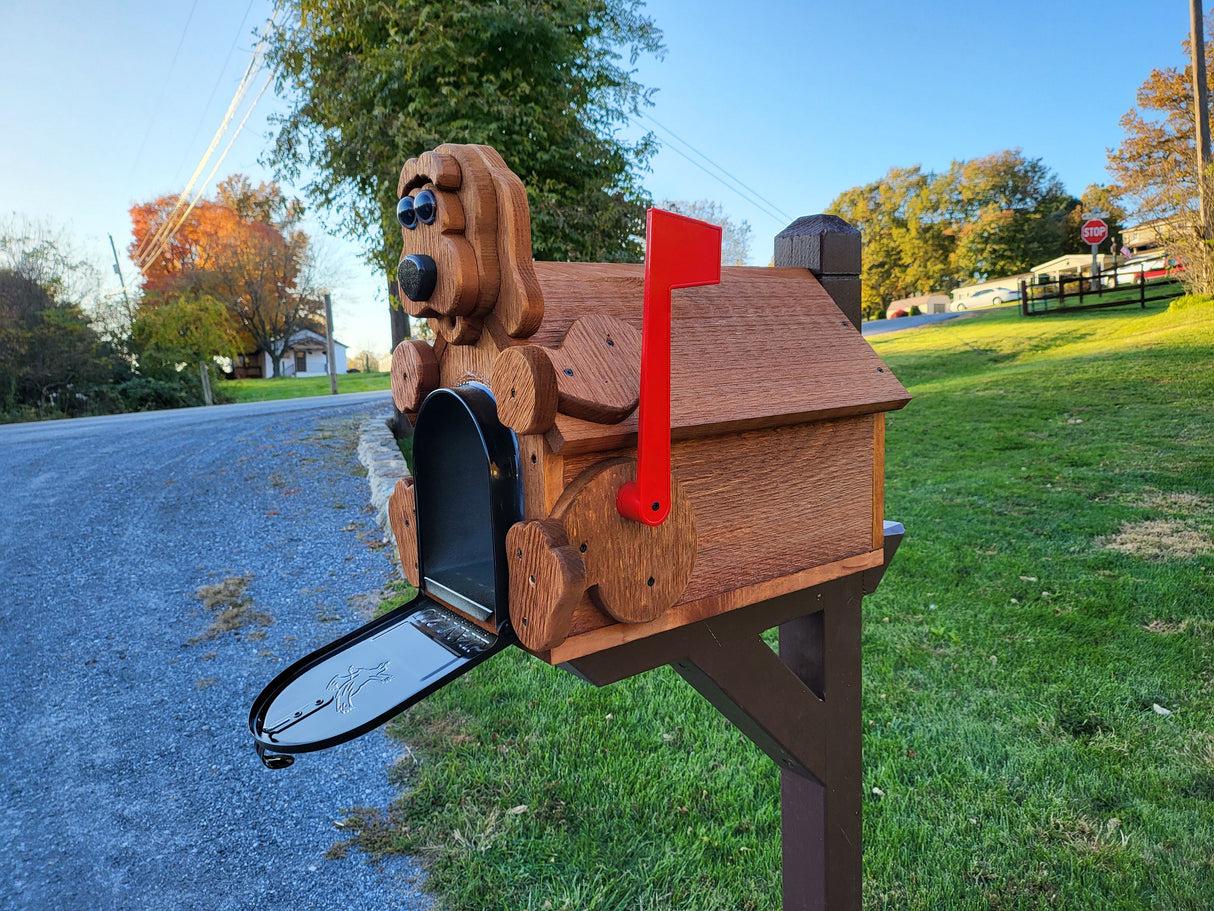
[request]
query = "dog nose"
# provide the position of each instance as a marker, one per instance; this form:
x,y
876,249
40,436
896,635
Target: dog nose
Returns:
x,y
417,275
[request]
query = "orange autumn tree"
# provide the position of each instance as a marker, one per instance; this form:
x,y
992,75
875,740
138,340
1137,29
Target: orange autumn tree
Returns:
x,y
244,249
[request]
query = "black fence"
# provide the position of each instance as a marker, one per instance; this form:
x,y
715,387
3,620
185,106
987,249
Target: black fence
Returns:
x,y
1119,288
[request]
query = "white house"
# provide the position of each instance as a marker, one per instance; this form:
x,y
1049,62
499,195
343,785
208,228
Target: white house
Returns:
x,y
1072,266
305,356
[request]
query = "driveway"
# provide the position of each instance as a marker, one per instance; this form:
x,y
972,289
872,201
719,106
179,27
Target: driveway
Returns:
x,y
883,326
129,779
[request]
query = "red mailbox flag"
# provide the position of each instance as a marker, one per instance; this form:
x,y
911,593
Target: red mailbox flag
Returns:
x,y
680,252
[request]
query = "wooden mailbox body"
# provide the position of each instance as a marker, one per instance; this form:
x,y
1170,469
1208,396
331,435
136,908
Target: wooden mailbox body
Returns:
x,y
777,420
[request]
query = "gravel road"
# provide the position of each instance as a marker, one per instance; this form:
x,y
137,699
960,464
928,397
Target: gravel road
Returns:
x,y
128,778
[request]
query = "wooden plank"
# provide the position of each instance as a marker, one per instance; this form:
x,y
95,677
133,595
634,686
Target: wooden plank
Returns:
x,y
542,473
402,517
878,481
771,503
771,507
468,363
579,645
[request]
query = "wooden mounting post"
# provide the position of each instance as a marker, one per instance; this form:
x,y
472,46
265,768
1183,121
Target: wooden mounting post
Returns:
x,y
801,708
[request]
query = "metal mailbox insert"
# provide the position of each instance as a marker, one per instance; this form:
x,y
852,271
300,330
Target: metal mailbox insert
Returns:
x,y
466,466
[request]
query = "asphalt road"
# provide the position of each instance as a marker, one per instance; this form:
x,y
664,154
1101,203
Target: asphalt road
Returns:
x,y
128,778
883,326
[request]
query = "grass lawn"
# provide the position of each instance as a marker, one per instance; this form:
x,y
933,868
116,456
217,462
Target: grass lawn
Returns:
x,y
290,387
1038,670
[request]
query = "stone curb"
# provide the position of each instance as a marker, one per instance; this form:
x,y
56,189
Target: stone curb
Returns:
x,y
379,454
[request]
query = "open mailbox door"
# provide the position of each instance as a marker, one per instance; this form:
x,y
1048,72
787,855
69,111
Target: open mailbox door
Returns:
x,y
468,495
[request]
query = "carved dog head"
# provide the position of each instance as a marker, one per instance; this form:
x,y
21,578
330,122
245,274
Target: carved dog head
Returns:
x,y
466,258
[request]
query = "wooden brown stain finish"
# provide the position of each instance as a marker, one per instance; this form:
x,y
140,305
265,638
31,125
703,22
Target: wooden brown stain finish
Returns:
x,y
769,506
769,503
480,243
542,472
814,364
402,516
414,374
547,578
524,384
878,481
594,375
520,305
583,642
598,369
634,572
468,363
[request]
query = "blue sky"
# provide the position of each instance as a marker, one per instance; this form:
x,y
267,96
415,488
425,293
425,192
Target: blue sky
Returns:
x,y
105,105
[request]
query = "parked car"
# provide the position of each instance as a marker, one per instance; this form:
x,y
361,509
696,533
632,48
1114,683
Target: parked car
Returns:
x,y
987,297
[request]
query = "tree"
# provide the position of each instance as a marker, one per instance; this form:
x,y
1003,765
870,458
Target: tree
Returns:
x,y
1009,212
735,236
992,216
906,233
366,361
189,328
51,359
245,250
1156,166
46,256
543,81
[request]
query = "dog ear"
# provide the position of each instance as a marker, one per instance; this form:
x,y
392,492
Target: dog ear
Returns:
x,y
520,302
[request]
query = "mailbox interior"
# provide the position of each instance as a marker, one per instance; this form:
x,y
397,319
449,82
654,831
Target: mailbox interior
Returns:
x,y
465,469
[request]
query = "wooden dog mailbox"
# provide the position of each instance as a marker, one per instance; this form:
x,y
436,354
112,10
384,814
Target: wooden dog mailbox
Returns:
x,y
623,466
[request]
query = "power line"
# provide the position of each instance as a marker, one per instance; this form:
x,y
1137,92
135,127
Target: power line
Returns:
x,y
768,209
237,98
219,78
186,214
164,87
163,234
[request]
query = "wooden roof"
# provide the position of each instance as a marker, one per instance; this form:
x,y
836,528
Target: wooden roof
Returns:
x,y
765,347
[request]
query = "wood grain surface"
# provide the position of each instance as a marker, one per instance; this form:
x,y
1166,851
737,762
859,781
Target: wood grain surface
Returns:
x,y
402,516
598,369
765,347
520,303
469,362
414,374
581,642
634,572
547,579
775,510
524,383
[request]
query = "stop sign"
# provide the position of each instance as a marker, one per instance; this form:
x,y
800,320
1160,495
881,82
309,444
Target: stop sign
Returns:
x,y
1094,231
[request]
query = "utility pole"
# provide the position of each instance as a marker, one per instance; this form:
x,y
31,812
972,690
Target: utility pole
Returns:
x,y
329,343
118,270
1201,107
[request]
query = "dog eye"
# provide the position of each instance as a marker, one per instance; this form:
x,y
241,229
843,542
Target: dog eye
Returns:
x,y
406,214
426,207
